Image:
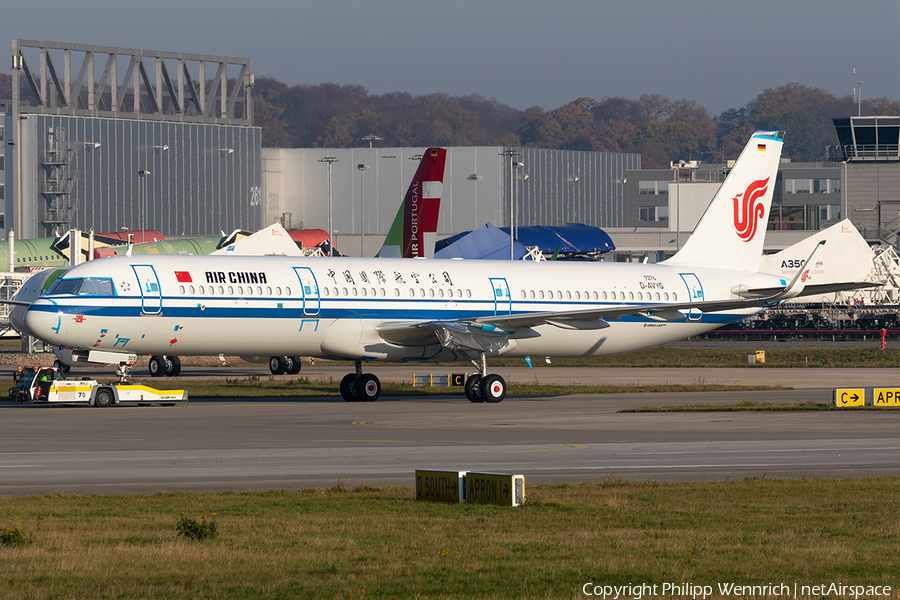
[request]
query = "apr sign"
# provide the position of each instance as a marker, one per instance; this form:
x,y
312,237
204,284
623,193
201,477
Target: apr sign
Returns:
x,y
886,397
495,488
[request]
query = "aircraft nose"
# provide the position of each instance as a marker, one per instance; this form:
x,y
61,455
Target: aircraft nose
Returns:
x,y
42,322
17,319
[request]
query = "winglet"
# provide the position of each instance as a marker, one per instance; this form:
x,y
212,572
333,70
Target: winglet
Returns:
x,y
795,287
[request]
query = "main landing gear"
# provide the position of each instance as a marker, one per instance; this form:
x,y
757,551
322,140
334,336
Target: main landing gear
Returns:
x,y
164,365
359,386
482,387
279,365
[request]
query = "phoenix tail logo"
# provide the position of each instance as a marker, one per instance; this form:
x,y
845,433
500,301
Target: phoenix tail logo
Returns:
x,y
748,211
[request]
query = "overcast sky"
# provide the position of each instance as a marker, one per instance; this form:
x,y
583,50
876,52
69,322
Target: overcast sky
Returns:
x,y
721,53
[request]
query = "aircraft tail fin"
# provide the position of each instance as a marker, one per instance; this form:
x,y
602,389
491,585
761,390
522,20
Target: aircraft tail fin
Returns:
x,y
731,232
414,229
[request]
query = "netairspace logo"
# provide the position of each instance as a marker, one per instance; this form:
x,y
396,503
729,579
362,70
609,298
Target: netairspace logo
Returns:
x,y
783,590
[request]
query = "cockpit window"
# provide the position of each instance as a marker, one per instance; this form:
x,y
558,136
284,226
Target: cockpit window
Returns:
x,y
87,286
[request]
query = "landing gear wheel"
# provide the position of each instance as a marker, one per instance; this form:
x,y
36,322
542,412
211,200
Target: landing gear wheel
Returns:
x,y
277,365
171,366
473,391
288,363
348,389
295,367
104,397
368,388
156,366
493,388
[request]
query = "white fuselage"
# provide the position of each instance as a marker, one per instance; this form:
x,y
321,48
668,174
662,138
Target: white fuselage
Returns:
x,y
268,306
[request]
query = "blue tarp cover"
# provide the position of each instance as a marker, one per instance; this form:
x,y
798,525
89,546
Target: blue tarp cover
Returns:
x,y
569,239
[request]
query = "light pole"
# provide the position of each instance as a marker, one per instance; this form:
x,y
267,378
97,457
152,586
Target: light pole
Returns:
x,y
329,160
513,164
142,180
362,202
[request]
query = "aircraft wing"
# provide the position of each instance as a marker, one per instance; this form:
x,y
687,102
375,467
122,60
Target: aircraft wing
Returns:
x,y
490,333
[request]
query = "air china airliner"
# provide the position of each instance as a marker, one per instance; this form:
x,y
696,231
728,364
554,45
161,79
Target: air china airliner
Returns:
x,y
371,309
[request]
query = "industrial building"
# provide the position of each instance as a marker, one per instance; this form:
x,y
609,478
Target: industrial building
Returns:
x,y
859,181
110,138
547,187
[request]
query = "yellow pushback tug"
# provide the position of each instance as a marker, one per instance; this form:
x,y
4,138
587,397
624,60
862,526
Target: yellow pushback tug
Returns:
x,y
48,385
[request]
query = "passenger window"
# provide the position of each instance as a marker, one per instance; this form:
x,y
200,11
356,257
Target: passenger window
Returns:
x,y
363,291
344,292
202,291
324,291
468,293
230,291
287,291
421,292
568,295
431,292
278,291
221,291
412,293
249,290
192,290
541,294
268,291
181,289
674,296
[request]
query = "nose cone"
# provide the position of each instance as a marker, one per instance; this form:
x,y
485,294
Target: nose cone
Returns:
x,y
17,319
42,320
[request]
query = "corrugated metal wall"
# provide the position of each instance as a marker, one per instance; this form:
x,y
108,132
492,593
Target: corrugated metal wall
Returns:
x,y
570,187
203,178
475,191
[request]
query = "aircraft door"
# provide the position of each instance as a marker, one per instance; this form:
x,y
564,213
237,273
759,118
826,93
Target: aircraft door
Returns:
x,y
502,299
310,288
695,294
151,297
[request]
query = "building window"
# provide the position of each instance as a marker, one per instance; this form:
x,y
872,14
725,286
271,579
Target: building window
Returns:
x,y
830,212
647,188
820,186
2,192
654,213
834,186
1,133
2,162
797,186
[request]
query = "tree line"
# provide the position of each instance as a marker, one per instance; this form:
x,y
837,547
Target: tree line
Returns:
x,y
659,128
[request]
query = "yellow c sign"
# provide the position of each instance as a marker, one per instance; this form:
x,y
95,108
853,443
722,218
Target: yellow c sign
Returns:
x,y
850,397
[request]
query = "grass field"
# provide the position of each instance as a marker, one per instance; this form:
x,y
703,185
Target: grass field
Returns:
x,y
380,543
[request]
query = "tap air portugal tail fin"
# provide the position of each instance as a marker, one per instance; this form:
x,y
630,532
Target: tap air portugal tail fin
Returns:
x,y
731,232
414,230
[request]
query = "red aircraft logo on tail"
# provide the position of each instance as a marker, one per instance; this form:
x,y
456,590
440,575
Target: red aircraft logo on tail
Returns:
x,y
747,212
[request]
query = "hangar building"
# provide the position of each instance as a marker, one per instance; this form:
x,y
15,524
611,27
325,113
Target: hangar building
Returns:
x,y
112,138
